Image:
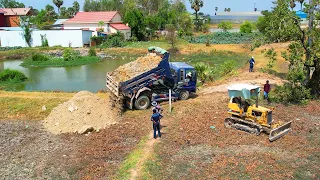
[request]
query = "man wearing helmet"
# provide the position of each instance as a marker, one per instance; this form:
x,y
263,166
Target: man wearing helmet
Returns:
x,y
157,107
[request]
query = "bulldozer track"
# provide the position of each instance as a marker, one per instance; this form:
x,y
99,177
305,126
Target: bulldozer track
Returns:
x,y
240,124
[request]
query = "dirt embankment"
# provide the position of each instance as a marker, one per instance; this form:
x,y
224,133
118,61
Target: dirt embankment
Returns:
x,y
83,111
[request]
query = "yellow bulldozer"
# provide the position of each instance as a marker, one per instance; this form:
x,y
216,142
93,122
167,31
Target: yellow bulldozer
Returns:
x,y
252,118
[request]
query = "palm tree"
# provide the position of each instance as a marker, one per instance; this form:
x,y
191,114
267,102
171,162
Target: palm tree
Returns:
x,y
58,3
225,9
101,24
196,5
292,4
216,8
229,9
301,2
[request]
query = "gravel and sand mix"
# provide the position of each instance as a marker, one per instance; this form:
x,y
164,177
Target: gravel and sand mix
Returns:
x,y
135,68
83,111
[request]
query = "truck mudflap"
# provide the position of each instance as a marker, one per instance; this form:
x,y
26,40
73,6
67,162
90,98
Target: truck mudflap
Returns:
x,y
280,131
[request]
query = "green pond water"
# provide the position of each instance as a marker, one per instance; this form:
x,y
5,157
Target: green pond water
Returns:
x,y
91,77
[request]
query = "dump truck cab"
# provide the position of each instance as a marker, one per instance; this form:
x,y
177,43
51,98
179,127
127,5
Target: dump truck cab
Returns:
x,y
185,78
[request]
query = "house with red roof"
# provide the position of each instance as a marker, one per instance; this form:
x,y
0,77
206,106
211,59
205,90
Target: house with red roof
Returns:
x,y
10,17
90,21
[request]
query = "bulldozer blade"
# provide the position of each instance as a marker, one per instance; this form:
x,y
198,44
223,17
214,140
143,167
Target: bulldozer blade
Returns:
x,y
280,131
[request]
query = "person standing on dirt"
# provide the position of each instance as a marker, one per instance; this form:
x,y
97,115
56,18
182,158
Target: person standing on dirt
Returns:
x,y
266,90
155,118
251,62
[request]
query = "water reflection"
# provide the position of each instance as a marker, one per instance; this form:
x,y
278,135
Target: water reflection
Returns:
x,y
88,77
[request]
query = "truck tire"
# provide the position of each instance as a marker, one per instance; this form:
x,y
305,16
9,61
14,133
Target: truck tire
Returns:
x,y
143,102
184,95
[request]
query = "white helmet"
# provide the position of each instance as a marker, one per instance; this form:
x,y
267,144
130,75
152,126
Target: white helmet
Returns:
x,y
154,103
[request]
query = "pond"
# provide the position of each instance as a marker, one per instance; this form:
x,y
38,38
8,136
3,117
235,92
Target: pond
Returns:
x,y
91,77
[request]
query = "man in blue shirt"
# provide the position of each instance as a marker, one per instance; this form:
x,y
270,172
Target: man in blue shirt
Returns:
x,y
155,118
251,61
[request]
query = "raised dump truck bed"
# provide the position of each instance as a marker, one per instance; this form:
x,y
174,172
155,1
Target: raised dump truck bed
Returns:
x,y
140,90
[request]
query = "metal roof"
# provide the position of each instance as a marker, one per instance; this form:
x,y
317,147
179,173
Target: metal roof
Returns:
x,y
60,21
180,65
16,11
92,17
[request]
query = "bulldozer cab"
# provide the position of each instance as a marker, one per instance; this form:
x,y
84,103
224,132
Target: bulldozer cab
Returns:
x,y
253,118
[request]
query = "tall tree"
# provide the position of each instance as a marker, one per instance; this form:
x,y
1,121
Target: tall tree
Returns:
x,y
136,21
11,4
63,13
50,13
304,50
196,5
58,3
301,3
292,4
76,6
216,9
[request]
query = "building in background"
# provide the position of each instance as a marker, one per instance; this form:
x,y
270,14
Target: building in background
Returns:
x,y
90,21
12,16
235,17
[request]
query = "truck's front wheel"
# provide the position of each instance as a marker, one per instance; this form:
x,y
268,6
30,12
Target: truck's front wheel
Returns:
x,y
143,102
184,95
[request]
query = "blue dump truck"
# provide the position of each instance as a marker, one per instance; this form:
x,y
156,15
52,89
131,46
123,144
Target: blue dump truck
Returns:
x,y
154,85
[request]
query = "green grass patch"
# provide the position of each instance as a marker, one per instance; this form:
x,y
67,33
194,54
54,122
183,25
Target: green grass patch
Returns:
x,y
223,38
220,63
131,160
12,80
60,62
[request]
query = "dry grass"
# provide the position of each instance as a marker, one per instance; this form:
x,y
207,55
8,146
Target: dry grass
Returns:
x,y
28,105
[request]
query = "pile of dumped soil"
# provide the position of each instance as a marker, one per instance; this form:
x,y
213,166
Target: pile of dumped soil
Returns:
x,y
135,68
83,111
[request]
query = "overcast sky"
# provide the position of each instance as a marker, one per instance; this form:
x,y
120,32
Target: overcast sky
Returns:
x,y
209,5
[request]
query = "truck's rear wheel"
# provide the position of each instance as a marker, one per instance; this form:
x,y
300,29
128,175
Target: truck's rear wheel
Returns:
x,y
143,102
184,95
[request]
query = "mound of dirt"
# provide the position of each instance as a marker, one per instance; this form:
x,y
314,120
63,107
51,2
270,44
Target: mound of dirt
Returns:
x,y
83,110
135,68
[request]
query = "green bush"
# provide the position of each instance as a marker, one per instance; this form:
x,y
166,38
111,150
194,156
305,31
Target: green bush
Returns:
x,y
39,57
115,40
289,93
44,41
204,71
92,51
246,27
12,75
70,54
225,26
227,67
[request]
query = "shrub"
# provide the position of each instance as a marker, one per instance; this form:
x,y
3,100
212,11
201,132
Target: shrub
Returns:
x,y
12,75
115,40
70,54
227,67
205,28
289,93
246,27
39,57
204,71
92,51
225,26
44,41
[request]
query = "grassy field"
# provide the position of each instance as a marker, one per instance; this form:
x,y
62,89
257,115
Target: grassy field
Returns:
x,y
60,62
